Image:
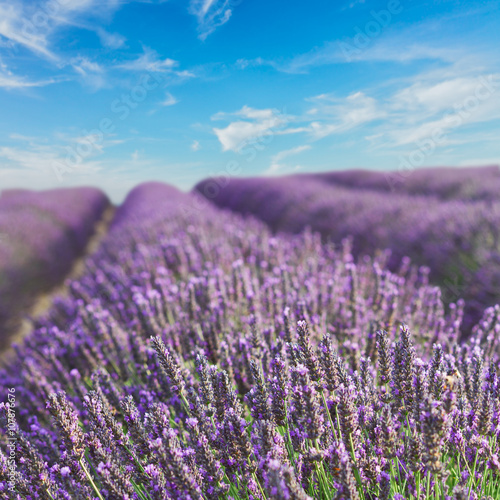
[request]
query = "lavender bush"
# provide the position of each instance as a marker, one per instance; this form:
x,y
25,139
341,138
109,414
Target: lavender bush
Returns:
x,y
41,234
208,359
458,240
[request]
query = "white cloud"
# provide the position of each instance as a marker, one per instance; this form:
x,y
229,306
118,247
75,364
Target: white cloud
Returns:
x,y
42,158
239,133
83,65
31,25
21,137
277,167
395,42
253,63
356,2
256,114
43,163
91,73
10,81
247,112
433,103
111,40
79,5
290,152
425,108
435,97
15,26
16,82
78,153
195,146
339,52
35,167
334,115
169,100
474,162
149,61
331,115
210,15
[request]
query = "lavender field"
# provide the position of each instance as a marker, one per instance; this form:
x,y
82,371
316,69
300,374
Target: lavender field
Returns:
x,y
445,219
41,235
473,183
300,351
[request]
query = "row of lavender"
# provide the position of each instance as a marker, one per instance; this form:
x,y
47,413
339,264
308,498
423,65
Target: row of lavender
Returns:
x,y
472,183
458,240
41,234
201,357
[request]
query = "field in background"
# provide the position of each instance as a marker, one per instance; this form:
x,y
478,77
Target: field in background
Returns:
x,y
445,219
41,236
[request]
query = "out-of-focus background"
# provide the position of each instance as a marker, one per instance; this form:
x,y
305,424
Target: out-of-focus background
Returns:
x,y
114,93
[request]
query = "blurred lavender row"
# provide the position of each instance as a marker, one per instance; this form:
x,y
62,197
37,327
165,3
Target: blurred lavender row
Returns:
x,y
41,235
201,357
459,240
467,183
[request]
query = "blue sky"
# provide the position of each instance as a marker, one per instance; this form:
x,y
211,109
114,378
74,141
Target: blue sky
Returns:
x,y
113,93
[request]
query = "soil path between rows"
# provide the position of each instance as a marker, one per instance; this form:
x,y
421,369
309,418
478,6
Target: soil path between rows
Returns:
x,y
44,301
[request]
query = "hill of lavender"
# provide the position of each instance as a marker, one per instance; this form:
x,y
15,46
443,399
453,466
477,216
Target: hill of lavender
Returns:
x,y
448,223
471,183
201,356
41,235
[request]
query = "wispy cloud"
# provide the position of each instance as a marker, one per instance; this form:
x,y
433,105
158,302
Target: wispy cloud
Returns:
x,y
340,52
210,15
432,103
149,60
328,115
33,165
31,25
418,111
42,153
9,81
277,167
290,152
411,114
61,159
339,115
169,100
111,40
257,124
15,82
428,98
41,158
391,42
90,72
15,26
